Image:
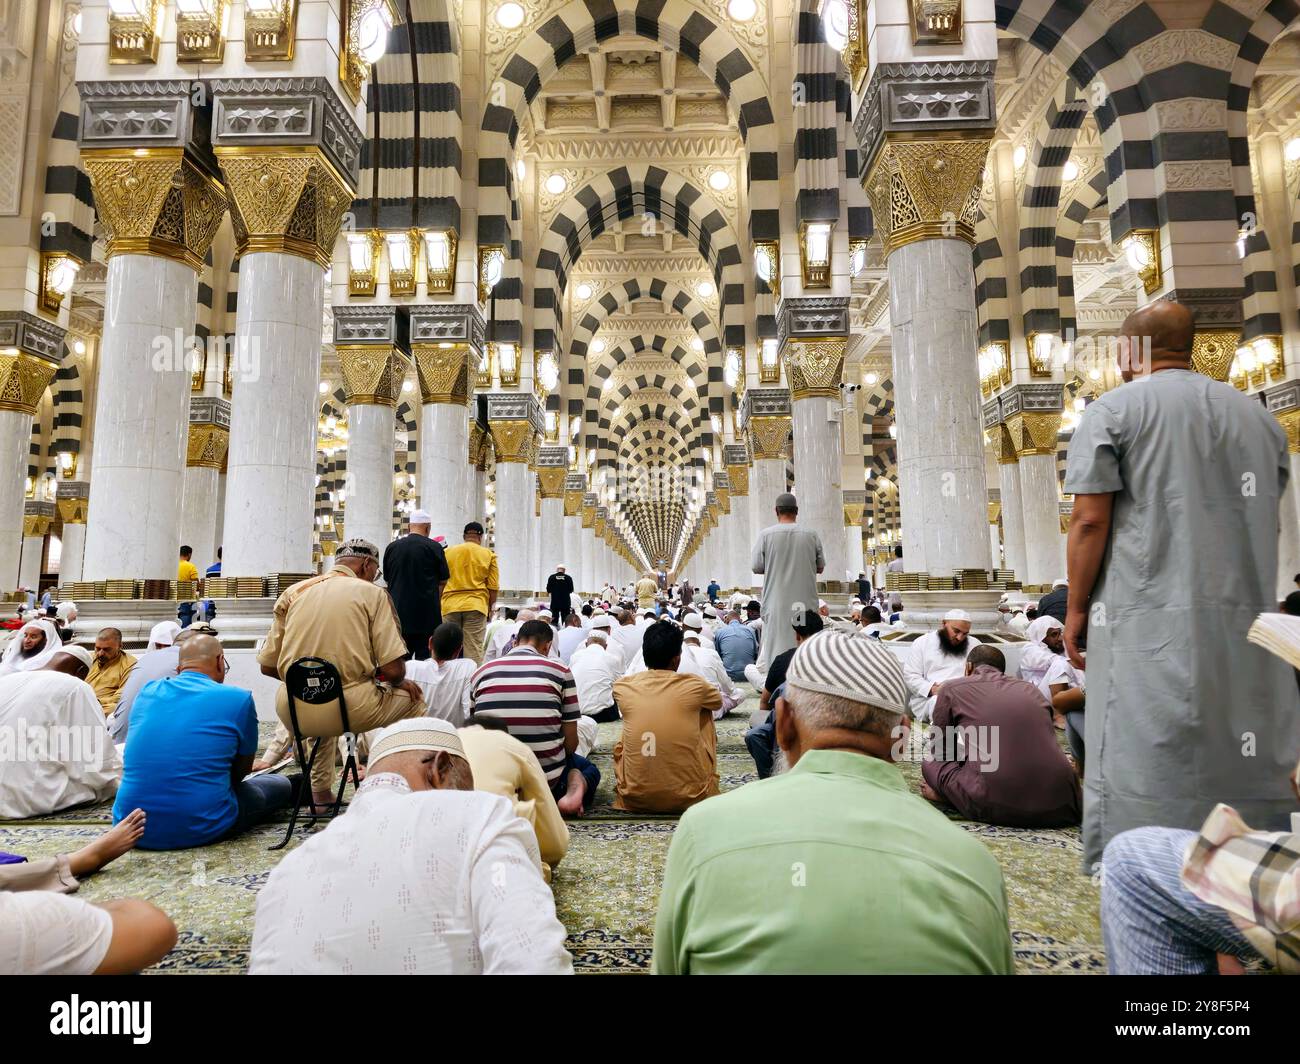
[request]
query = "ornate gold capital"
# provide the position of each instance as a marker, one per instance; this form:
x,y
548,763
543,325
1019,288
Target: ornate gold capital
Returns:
x,y
1290,422
598,526
478,442
739,476
815,366
768,435
287,199
573,504
588,517
23,380
443,371
853,514
927,188
1003,445
207,446
995,512
724,499
155,201
36,525
72,510
1034,432
550,481
1213,351
515,441
372,373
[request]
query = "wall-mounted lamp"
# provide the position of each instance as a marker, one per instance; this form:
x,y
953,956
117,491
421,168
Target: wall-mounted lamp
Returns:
x,y
68,465
403,254
767,264
134,29
491,268
1142,249
936,21
58,275
857,257
364,26
363,262
440,260
732,365
506,357
201,30
269,29
769,362
1042,348
815,253
483,377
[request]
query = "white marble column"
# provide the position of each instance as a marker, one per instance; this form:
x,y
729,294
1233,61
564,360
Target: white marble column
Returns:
x,y
573,552
271,469
73,549
141,419
29,571
589,560
742,541
854,559
1044,544
817,479
1013,519
995,546
447,481
370,473
199,514
552,552
15,434
941,480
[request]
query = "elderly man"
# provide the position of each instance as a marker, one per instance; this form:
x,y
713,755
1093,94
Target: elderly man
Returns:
x,y
192,742
596,667
760,739
833,866
467,896
342,617
666,759
1174,476
789,557
700,659
992,752
31,647
54,752
571,636
936,657
112,667
646,589
471,591
559,585
415,569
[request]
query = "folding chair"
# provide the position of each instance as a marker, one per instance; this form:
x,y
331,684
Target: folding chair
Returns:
x,y
315,682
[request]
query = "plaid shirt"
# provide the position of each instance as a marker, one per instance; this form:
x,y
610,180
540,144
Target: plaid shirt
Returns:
x,y
1255,876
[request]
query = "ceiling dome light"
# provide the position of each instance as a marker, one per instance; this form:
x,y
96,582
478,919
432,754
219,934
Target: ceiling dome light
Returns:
x,y
704,289
719,180
742,10
597,346
871,380
697,344
372,34
835,24
1070,170
583,291
1292,149
521,171
1019,157
556,184
510,16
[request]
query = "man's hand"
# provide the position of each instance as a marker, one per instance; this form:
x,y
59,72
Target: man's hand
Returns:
x,y
934,689
1076,634
409,686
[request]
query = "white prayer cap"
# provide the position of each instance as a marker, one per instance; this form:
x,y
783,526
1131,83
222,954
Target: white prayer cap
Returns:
x,y
692,620
544,615
856,609
416,733
80,653
709,611
163,634
421,517
602,620
821,604
1060,581
66,610
858,670
957,615
560,566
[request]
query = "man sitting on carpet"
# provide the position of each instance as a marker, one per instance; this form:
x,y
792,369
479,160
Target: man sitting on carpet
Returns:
x,y
666,759
1009,769
760,740
466,898
833,866
935,658
191,744
737,646
596,667
443,677
157,664
112,666
700,659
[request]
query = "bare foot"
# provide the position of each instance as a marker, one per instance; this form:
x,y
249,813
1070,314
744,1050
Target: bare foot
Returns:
x,y
571,803
116,841
928,793
322,801
1059,721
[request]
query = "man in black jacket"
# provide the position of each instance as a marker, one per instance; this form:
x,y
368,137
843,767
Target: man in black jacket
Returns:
x,y
415,569
1053,603
560,586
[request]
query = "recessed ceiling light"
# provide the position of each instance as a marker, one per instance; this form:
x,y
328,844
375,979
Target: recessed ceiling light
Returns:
x,y
583,291
719,180
520,170
510,15
742,10
597,346
1070,170
704,289
697,344
1292,149
555,184
1019,156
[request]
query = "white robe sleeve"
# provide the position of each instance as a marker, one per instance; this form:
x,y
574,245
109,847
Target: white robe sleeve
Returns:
x,y
757,562
915,667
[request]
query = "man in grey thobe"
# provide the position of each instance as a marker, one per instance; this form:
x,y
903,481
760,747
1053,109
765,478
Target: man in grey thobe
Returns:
x,y
1177,480
789,558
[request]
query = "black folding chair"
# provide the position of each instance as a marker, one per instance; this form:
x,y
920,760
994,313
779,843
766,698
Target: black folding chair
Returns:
x,y
316,682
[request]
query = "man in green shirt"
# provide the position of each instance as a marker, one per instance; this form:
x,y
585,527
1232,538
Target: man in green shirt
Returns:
x,y
833,866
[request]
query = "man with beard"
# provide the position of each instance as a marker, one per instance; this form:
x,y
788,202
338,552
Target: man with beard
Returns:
x,y
935,658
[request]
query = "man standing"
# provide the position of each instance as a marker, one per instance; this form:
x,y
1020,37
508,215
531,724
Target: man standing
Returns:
x,y
864,587
112,666
1053,604
713,589
471,590
415,569
1175,475
559,585
646,589
935,658
789,559
185,568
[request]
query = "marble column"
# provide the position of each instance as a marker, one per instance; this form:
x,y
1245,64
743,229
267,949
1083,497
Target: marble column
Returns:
x,y
603,568
1032,416
735,457
995,537
921,191
205,453
1013,516
552,468
37,518
766,415
515,421
289,188
72,500
1284,402
589,564
574,484
854,504
30,351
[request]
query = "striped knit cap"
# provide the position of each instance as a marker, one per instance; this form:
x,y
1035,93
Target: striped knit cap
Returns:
x,y
860,670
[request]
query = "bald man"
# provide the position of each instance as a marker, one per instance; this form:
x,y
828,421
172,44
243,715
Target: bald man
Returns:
x,y
191,743
1177,480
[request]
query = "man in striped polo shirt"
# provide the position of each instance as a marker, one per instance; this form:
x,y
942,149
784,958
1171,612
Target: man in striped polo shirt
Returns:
x,y
535,697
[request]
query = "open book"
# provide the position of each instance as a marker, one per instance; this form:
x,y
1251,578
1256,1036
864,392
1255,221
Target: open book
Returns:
x,y
1278,633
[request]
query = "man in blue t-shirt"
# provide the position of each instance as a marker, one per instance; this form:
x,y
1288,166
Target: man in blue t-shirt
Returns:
x,y
192,742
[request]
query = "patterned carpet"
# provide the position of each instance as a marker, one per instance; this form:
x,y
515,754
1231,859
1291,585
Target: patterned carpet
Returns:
x,y
606,889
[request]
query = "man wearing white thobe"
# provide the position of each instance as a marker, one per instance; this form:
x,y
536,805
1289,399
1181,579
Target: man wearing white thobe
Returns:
x,y
936,658
595,667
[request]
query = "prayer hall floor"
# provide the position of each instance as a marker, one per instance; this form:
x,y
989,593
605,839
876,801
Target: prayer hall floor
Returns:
x,y
606,889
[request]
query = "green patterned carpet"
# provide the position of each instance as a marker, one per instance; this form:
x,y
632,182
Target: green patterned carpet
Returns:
x,y
606,889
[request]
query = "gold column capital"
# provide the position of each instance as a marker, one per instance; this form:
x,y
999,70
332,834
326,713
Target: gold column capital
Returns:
x,y
23,380
443,370
155,201
815,366
36,525
478,444
573,504
550,481
853,512
1034,432
72,509
739,476
724,499
515,440
926,186
1003,445
207,446
287,198
768,435
1290,422
372,373
995,512
589,517
1213,351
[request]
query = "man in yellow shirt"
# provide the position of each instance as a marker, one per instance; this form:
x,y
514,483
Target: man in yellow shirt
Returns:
x,y
112,666
186,569
646,589
471,589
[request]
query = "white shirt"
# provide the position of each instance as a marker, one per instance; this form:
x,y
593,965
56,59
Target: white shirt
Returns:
x,y
1060,671
925,665
412,883
569,641
626,638
705,663
594,671
445,687
55,751
43,933
497,644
